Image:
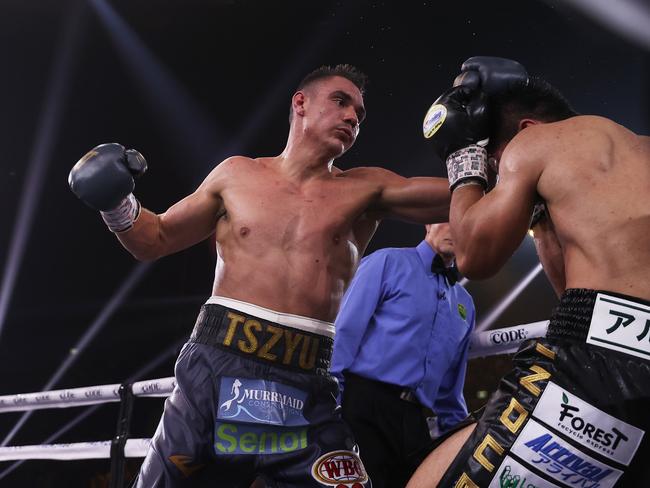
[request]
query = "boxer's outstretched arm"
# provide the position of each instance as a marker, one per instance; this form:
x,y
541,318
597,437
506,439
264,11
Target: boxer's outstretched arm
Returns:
x,y
488,229
423,200
184,224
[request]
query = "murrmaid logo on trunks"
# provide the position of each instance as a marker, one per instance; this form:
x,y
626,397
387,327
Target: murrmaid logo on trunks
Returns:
x,y
588,425
621,325
560,460
260,402
511,474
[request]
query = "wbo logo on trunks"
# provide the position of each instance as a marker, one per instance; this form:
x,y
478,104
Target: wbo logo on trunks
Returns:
x,y
621,325
342,469
260,402
586,424
558,459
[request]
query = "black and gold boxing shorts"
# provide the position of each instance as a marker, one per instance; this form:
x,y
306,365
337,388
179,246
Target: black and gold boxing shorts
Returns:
x,y
573,411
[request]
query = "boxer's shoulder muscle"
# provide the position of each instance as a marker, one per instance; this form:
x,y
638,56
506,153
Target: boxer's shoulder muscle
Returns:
x,y
229,171
367,176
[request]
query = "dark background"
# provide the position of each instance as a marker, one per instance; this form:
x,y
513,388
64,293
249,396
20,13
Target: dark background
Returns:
x,y
188,83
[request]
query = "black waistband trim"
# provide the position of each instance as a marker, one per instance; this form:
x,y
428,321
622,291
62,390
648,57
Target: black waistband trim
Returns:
x,y
262,340
572,317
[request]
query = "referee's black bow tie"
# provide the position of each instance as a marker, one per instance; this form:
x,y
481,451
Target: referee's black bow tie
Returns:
x,y
451,273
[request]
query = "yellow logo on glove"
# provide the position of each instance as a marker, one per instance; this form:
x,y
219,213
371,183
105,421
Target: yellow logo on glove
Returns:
x,y
433,119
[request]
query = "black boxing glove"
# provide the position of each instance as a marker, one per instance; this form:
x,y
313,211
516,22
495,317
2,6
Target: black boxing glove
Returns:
x,y
104,179
490,74
457,124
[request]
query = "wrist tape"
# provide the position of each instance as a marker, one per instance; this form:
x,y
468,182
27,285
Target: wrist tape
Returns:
x,y
122,217
467,166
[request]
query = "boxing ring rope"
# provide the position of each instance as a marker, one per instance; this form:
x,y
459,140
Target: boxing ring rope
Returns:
x,y
492,342
489,343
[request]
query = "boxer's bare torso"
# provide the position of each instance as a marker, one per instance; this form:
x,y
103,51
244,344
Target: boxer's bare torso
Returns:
x,y
595,184
290,229
294,245
287,244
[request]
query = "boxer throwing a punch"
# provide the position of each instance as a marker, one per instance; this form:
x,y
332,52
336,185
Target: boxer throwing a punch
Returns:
x,y
573,410
289,231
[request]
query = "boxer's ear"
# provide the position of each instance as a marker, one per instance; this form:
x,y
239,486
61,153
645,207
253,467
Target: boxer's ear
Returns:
x,y
523,123
298,102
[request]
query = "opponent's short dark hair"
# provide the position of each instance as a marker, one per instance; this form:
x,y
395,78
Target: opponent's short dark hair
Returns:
x,y
352,73
537,99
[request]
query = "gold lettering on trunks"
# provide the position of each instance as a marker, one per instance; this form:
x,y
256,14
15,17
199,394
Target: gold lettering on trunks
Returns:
x,y
271,342
544,351
488,441
304,361
235,320
465,482
264,350
252,340
516,407
528,382
291,344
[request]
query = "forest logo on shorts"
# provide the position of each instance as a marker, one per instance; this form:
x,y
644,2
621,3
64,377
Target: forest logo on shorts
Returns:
x,y
587,425
340,468
462,311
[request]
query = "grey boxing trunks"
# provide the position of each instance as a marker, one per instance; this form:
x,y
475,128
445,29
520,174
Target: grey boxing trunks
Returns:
x,y
253,398
573,411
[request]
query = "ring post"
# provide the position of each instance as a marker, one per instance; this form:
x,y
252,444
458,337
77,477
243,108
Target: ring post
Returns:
x,y
119,441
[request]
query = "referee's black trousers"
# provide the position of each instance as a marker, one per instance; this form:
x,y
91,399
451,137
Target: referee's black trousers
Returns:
x,y
392,433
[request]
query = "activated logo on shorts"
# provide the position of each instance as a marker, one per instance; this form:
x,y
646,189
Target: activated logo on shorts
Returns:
x,y
557,458
260,402
342,469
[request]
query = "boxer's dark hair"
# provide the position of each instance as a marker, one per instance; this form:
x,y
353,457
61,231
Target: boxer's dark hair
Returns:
x,y
352,73
537,99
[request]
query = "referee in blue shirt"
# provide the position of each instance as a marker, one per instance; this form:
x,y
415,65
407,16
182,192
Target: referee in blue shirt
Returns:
x,y
400,351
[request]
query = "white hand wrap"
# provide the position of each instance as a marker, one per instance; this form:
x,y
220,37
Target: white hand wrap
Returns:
x,y
122,217
468,166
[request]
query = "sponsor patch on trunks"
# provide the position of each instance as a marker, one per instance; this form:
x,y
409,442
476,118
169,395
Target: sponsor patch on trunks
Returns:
x,y
511,474
257,439
558,459
261,402
621,325
340,469
588,425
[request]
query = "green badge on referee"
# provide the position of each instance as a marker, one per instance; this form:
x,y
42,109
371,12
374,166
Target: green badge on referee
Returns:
x,y
462,311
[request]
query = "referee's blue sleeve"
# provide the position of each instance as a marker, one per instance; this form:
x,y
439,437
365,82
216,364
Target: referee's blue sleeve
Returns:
x,y
450,406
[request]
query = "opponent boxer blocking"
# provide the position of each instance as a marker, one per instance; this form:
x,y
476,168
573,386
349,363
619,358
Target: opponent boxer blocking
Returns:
x,y
573,411
254,395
